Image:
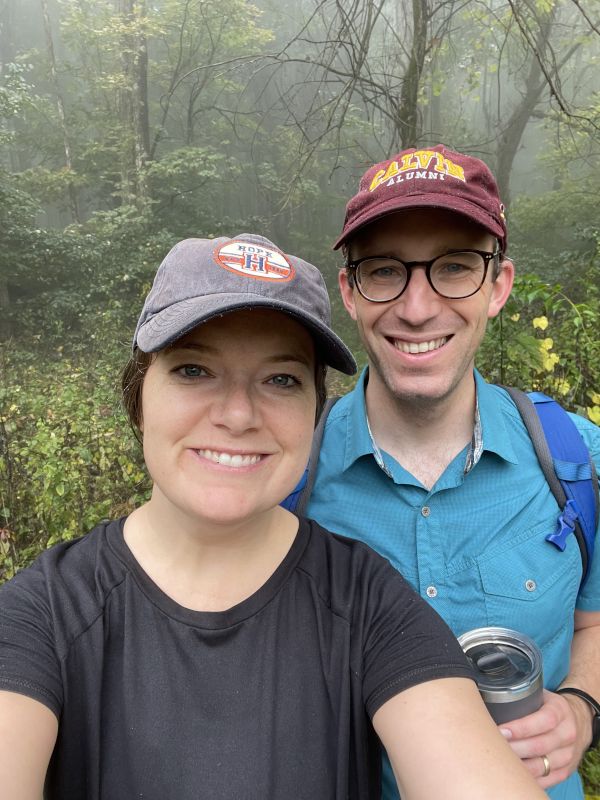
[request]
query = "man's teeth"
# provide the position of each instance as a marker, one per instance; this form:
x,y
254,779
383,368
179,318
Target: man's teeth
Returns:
x,y
228,460
419,347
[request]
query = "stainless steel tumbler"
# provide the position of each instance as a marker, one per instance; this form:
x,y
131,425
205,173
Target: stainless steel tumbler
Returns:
x,y
508,670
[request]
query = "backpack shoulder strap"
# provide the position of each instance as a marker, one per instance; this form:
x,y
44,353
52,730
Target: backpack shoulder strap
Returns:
x,y
298,499
567,466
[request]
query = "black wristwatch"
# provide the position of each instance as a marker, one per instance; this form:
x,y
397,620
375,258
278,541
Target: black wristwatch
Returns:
x,y
595,706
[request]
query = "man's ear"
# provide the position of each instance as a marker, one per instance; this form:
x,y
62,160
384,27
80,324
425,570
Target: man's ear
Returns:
x,y
347,292
501,288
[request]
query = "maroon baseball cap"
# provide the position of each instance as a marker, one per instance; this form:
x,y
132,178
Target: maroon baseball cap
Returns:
x,y
433,177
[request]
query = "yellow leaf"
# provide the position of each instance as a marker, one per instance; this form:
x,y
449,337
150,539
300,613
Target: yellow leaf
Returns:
x,y
550,362
515,317
594,414
540,322
562,387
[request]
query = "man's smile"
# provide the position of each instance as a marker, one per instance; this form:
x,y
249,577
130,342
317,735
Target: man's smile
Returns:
x,y
419,347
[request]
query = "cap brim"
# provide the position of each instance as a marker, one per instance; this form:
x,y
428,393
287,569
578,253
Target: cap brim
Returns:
x,y
448,202
172,323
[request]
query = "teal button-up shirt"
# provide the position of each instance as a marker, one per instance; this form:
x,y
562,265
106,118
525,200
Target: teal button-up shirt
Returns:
x,y
474,545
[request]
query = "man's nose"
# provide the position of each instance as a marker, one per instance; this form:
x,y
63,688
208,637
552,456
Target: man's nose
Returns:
x,y
419,302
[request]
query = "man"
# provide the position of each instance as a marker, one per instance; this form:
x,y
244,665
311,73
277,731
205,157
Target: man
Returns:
x,y
432,466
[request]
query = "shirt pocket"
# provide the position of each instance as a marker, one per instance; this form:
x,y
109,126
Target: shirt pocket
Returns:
x,y
529,585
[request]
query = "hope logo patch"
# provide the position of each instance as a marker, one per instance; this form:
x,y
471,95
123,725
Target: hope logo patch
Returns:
x,y
254,261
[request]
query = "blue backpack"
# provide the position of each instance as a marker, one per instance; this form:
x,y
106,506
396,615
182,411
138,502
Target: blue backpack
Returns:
x,y
563,455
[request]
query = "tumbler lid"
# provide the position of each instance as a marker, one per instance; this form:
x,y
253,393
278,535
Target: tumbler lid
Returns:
x,y
507,664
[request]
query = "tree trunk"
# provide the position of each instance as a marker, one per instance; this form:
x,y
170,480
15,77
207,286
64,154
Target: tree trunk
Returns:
x,y
60,104
5,327
133,103
407,124
535,84
7,56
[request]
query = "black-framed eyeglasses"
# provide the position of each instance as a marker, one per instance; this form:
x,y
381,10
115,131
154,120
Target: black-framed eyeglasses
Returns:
x,y
454,275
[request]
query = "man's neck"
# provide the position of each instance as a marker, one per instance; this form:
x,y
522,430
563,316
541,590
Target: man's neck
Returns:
x,y
421,434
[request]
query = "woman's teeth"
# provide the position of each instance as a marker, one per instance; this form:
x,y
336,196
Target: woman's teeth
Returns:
x,y
227,460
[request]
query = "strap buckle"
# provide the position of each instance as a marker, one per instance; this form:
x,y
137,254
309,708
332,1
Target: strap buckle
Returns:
x,y
565,525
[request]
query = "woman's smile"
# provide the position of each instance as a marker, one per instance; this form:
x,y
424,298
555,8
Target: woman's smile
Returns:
x,y
233,460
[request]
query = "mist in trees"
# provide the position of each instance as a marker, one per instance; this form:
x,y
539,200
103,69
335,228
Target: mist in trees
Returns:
x,y
152,121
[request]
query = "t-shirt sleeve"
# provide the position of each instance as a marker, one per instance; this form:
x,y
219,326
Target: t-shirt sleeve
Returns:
x,y
28,660
405,641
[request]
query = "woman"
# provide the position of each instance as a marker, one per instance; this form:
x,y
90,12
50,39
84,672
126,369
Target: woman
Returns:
x,y
211,645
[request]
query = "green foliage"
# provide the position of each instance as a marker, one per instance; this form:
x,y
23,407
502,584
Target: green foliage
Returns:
x,y
545,342
187,189
67,457
547,336
554,234
14,94
590,772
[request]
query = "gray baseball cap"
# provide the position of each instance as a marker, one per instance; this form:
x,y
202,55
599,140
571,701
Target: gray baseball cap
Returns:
x,y
200,279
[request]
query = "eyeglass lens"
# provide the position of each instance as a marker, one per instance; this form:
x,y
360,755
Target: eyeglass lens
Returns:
x,y
453,275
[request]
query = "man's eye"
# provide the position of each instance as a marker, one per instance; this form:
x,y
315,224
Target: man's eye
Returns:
x,y
384,272
285,381
381,272
455,267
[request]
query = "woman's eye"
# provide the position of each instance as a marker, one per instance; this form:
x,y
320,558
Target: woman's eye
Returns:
x,y
191,371
285,381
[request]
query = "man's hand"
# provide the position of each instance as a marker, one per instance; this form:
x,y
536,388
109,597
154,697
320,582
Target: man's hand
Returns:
x,y
560,730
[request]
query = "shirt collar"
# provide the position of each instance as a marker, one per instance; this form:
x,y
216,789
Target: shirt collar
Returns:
x,y
489,429
358,440
497,437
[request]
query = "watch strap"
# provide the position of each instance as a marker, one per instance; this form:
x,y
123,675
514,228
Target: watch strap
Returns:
x,y
594,705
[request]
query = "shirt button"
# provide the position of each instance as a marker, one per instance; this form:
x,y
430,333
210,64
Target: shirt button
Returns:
x,y
530,585
425,511
431,591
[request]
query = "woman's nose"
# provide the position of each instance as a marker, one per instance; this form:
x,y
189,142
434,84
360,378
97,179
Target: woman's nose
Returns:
x,y
236,409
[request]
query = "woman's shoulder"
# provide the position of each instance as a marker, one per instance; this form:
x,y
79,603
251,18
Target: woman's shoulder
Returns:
x,y
68,584
347,569
347,549
80,555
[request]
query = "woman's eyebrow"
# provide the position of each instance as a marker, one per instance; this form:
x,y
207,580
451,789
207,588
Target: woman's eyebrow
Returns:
x,y
275,358
298,357
203,348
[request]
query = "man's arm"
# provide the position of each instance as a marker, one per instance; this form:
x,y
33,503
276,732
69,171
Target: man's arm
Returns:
x,y
442,743
562,729
28,732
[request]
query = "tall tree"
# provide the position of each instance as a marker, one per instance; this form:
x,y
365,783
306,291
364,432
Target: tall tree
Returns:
x,y
133,98
60,104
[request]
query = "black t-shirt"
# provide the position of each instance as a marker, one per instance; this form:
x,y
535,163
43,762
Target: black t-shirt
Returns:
x,y
269,700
